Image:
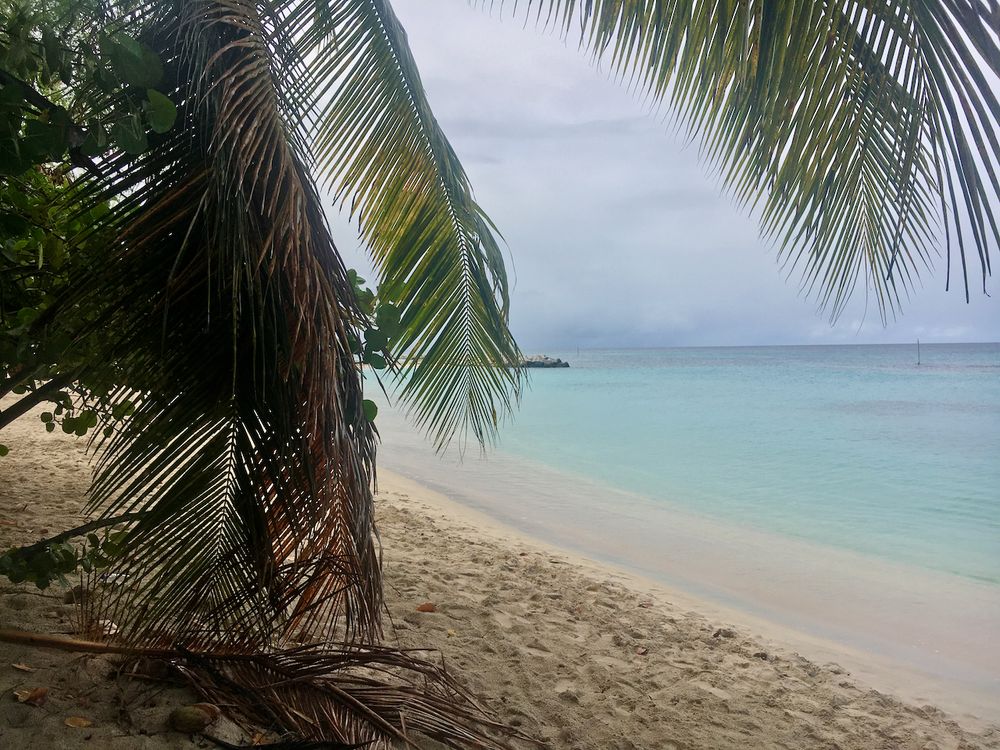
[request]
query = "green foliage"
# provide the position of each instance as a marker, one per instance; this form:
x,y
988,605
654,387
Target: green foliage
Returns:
x,y
48,244
866,135
438,255
161,112
134,63
63,104
62,100
44,563
380,330
53,562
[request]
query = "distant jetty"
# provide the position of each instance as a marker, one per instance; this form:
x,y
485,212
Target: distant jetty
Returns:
x,y
541,360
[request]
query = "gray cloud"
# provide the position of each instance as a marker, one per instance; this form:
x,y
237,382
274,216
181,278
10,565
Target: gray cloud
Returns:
x,y
619,235
521,130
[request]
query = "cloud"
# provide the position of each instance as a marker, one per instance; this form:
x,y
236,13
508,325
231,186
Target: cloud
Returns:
x,y
518,130
619,235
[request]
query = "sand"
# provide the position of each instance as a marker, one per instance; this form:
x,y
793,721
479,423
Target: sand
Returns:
x,y
576,654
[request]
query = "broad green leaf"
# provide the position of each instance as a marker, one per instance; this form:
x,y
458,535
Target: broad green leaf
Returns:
x,y
377,361
43,141
129,135
53,52
96,141
375,340
162,112
134,62
388,320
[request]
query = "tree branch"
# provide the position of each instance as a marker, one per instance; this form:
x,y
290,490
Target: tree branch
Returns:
x,y
31,400
100,523
42,640
78,134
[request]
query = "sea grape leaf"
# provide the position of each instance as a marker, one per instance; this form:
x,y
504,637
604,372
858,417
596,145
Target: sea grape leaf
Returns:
x,y
375,340
388,319
52,51
162,112
377,361
130,135
96,140
43,141
134,62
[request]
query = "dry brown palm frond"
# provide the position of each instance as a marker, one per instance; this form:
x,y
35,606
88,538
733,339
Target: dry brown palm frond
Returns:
x,y
248,453
359,693
366,696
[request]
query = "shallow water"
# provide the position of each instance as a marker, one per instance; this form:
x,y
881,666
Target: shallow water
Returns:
x,y
855,447
842,491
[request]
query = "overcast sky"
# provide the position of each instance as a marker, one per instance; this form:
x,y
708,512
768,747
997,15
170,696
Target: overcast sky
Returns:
x,y
618,235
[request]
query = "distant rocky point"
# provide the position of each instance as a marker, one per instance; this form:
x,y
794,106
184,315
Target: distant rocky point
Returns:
x,y
541,360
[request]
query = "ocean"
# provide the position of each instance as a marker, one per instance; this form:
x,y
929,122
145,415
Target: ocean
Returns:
x,y
849,446
855,447
842,491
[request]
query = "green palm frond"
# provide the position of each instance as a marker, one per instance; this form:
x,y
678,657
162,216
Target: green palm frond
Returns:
x,y
863,132
436,251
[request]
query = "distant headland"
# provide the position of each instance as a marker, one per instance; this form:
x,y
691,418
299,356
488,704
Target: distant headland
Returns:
x,y
542,360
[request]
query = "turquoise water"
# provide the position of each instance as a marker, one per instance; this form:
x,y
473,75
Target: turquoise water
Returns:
x,y
855,447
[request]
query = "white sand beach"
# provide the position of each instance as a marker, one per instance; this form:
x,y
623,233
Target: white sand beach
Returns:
x,y
573,653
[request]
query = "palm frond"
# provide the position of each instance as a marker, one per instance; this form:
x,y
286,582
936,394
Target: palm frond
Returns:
x,y
366,692
323,695
248,454
243,479
436,251
864,132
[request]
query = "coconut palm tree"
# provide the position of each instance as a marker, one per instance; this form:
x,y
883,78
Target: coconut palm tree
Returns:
x,y
864,133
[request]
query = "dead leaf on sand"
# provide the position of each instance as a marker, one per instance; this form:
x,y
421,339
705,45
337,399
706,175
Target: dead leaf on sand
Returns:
x,y
427,607
213,711
189,719
646,604
642,651
32,696
78,722
22,667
